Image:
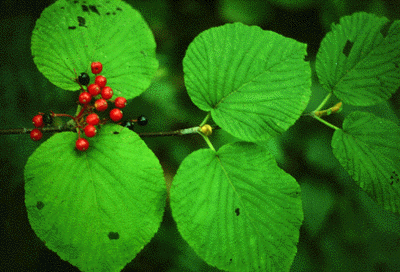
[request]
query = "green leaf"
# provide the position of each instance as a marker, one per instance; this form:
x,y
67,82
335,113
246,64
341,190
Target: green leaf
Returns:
x,y
237,209
255,83
368,147
69,35
98,208
359,59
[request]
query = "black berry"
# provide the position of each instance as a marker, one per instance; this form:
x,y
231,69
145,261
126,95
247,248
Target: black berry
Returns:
x,y
127,124
84,79
142,120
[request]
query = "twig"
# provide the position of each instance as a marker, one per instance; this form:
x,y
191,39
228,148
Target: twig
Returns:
x,y
178,132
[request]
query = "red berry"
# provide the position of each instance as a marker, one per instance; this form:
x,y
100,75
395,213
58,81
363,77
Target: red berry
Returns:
x,y
84,98
101,104
37,120
36,134
101,81
92,119
116,115
97,67
94,89
82,144
90,130
106,93
120,102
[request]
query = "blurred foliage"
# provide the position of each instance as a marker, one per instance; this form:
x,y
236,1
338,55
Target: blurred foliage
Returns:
x,y
343,229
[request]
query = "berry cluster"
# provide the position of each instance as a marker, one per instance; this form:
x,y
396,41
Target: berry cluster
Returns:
x,y
93,98
39,121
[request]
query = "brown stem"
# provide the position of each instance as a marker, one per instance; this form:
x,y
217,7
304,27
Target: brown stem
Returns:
x,y
71,128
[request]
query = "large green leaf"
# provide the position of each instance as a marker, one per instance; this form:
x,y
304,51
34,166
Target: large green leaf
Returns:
x,y
359,59
237,209
368,147
96,209
255,83
71,34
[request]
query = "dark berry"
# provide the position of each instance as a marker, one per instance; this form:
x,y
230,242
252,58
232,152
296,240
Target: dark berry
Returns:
x,y
84,79
127,124
142,120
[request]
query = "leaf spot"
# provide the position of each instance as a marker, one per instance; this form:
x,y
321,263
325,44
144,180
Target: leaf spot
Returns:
x,y
237,211
72,27
76,2
347,48
81,21
108,13
118,8
116,132
94,9
39,205
85,8
113,235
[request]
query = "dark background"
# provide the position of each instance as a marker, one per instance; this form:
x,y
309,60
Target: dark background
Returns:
x,y
343,229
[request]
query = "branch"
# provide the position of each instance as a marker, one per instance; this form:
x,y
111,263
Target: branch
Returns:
x,y
178,132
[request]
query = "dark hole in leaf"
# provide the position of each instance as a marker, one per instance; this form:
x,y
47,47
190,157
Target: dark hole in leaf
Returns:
x,y
62,7
385,29
113,235
71,27
39,205
94,9
108,13
76,2
347,48
230,260
81,21
85,8
237,211
116,132
118,8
